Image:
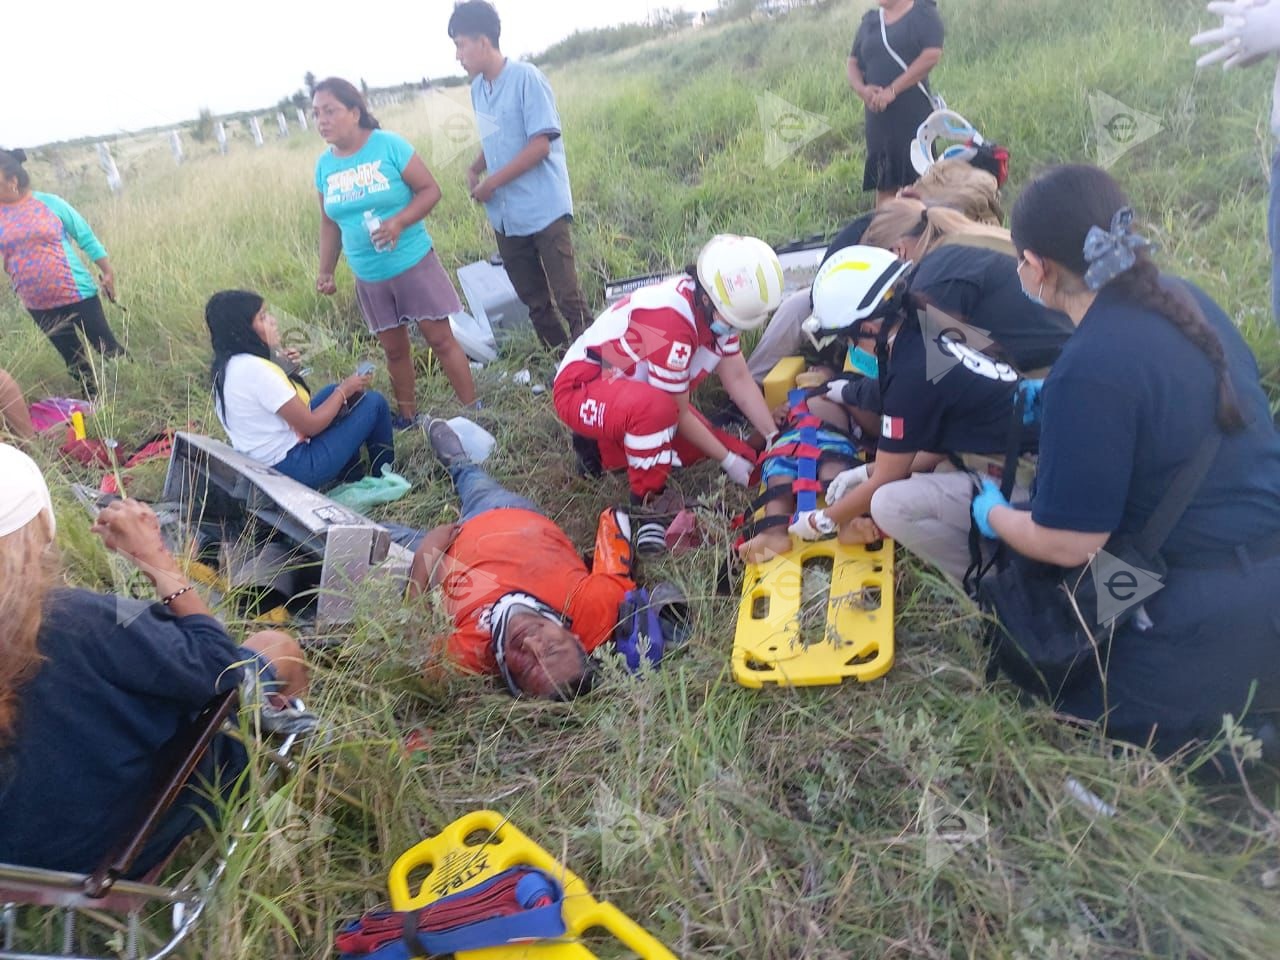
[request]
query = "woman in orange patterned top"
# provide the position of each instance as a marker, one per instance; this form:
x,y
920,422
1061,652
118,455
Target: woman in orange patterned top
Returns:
x,y
37,231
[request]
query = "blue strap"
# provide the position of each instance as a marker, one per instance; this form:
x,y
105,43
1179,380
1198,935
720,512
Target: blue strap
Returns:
x,y
806,467
538,923
532,923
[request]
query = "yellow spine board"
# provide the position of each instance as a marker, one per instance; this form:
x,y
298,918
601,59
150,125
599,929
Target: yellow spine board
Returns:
x,y
781,379
481,845
851,636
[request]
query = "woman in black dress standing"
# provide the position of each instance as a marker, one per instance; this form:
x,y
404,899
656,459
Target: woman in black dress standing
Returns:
x,y
894,92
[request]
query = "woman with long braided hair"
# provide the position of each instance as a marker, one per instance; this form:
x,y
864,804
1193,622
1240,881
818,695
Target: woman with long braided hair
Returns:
x,y
1153,368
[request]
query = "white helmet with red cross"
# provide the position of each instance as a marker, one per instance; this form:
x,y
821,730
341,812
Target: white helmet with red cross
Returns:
x,y
743,278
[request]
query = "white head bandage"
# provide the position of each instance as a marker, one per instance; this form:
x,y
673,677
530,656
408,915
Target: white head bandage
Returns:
x,y
23,492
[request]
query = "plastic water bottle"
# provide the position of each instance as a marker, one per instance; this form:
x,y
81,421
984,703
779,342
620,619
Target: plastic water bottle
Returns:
x,y
373,222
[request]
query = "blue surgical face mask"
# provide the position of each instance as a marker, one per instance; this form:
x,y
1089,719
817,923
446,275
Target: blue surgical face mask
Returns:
x,y
865,363
720,328
1036,298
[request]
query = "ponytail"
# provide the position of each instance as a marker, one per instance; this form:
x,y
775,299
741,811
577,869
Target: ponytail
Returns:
x,y
1074,208
933,224
1142,284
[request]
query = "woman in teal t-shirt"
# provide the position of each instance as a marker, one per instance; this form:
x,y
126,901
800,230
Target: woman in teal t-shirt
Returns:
x,y
375,193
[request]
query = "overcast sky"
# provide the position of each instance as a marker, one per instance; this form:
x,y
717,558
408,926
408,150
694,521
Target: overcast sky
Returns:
x,y
75,68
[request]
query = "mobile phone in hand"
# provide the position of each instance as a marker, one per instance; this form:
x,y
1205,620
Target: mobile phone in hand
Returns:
x,y
365,368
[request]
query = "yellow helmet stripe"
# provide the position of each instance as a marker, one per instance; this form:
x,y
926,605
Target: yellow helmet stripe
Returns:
x,y
861,266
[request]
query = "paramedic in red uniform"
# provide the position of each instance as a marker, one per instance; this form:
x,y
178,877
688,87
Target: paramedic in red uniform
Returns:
x,y
625,382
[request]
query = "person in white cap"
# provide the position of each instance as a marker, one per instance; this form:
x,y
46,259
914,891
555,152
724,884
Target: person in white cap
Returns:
x,y
93,685
1250,34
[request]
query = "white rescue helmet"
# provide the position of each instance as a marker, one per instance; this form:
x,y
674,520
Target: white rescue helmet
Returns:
x,y
855,284
743,278
951,128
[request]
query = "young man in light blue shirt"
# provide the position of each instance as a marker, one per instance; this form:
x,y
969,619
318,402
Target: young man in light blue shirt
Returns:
x,y
526,190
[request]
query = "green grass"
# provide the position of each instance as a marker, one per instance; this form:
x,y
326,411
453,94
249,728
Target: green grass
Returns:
x,y
785,823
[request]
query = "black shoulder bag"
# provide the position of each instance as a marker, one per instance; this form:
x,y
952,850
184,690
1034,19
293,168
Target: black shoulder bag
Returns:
x,y
1049,625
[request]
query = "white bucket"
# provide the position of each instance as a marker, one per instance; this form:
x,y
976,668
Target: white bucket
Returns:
x,y
474,336
476,440
492,298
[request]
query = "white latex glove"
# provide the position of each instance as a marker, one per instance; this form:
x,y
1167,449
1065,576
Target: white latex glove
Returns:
x,y
1250,31
842,483
737,468
812,525
835,390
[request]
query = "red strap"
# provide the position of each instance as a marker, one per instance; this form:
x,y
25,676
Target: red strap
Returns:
x,y
803,451
496,899
807,486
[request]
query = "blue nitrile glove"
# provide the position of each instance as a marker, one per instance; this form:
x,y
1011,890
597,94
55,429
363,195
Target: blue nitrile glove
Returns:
x,y
1029,390
988,498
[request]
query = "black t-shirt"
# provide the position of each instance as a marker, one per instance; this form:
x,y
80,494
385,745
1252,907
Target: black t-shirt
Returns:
x,y
921,29
118,678
979,287
945,398
1128,402
850,236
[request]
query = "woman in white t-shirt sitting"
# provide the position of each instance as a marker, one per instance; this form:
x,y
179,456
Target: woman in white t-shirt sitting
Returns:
x,y
270,415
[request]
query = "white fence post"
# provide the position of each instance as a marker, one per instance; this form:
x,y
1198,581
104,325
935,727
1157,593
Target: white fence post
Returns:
x,y
256,129
220,134
282,123
175,145
302,118
108,164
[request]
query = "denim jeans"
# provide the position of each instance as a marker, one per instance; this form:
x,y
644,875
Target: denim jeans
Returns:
x,y
480,493
333,455
1273,232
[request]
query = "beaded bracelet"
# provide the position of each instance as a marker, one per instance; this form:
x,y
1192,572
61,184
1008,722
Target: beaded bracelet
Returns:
x,y
175,595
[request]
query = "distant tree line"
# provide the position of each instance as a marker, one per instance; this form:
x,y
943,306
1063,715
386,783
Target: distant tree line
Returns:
x,y
606,40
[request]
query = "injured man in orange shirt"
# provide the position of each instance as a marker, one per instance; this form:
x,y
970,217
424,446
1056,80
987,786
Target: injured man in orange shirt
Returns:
x,y
523,603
